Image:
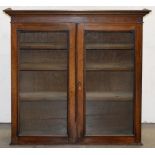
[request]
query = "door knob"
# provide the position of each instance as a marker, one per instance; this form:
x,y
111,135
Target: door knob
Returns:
x,y
79,85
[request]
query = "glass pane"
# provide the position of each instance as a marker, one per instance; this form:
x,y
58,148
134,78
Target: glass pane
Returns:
x,y
43,60
109,75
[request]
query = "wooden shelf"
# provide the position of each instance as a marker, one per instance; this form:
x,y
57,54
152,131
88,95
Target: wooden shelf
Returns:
x,y
42,46
109,46
89,67
45,96
90,96
42,66
109,96
109,67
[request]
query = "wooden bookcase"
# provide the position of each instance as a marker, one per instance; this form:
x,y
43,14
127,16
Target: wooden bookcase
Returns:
x,y
76,76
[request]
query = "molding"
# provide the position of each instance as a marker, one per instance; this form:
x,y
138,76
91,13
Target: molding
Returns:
x,y
11,12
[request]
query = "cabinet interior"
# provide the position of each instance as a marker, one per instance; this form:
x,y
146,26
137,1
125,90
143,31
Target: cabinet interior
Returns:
x,y
43,79
109,81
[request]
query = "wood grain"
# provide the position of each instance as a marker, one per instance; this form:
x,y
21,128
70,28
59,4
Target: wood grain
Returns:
x,y
109,96
109,67
109,46
41,46
43,66
44,96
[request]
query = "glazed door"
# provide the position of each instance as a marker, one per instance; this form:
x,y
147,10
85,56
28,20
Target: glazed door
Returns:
x,y
45,66
106,85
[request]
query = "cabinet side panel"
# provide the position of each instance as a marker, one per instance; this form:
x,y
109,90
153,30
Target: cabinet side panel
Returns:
x,y
138,82
14,84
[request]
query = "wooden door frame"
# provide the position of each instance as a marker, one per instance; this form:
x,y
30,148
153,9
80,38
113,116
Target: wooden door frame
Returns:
x,y
71,125
136,138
